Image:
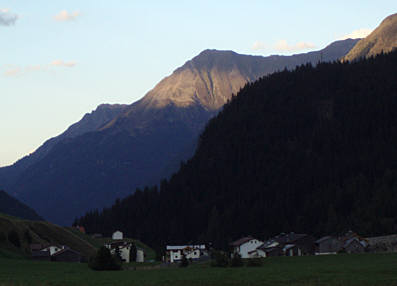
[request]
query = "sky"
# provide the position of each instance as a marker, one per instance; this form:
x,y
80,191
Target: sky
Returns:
x,y
61,59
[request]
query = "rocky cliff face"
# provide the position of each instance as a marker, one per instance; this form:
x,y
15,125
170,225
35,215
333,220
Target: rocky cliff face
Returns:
x,y
382,39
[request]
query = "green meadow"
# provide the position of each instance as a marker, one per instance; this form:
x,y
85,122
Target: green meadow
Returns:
x,y
364,269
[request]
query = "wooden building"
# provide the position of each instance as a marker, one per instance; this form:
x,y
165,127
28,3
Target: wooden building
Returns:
x,y
41,255
67,255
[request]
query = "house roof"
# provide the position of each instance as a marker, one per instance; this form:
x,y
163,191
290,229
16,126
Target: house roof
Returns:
x,y
241,241
282,239
349,241
324,238
288,246
180,247
65,250
268,244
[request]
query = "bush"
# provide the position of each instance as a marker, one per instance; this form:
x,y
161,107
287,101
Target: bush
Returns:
x,y
104,260
220,259
255,262
184,262
236,261
13,237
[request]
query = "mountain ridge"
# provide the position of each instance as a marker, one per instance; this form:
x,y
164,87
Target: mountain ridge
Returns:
x,y
89,122
382,39
146,141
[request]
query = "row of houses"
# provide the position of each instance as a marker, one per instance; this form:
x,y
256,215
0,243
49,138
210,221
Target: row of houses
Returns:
x,y
60,253
174,253
284,244
293,244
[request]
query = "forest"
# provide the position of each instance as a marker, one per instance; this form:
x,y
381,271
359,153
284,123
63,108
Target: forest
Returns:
x,y
312,150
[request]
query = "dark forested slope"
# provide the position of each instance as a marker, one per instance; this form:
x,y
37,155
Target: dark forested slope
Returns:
x,y
311,150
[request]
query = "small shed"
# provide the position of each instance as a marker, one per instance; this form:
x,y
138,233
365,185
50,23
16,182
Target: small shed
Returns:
x,y
117,235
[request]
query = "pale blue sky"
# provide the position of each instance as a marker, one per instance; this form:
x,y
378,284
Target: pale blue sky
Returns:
x,y
60,59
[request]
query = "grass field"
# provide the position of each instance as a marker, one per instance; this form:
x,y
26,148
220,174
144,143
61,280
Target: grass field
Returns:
x,y
39,232
365,269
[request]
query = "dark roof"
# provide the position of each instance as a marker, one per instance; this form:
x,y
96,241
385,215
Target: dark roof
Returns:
x,y
241,241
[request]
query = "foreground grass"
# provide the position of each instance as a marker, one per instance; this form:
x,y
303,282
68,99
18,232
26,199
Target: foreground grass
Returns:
x,y
365,269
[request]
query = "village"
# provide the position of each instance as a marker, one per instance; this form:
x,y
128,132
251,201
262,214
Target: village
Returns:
x,y
248,247
284,244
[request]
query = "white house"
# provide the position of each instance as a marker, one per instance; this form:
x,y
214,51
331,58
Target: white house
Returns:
x,y
117,235
124,248
246,246
125,251
175,252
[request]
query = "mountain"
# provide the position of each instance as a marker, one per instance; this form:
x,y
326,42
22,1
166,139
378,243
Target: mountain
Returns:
x,y
90,122
13,207
382,39
147,141
310,150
